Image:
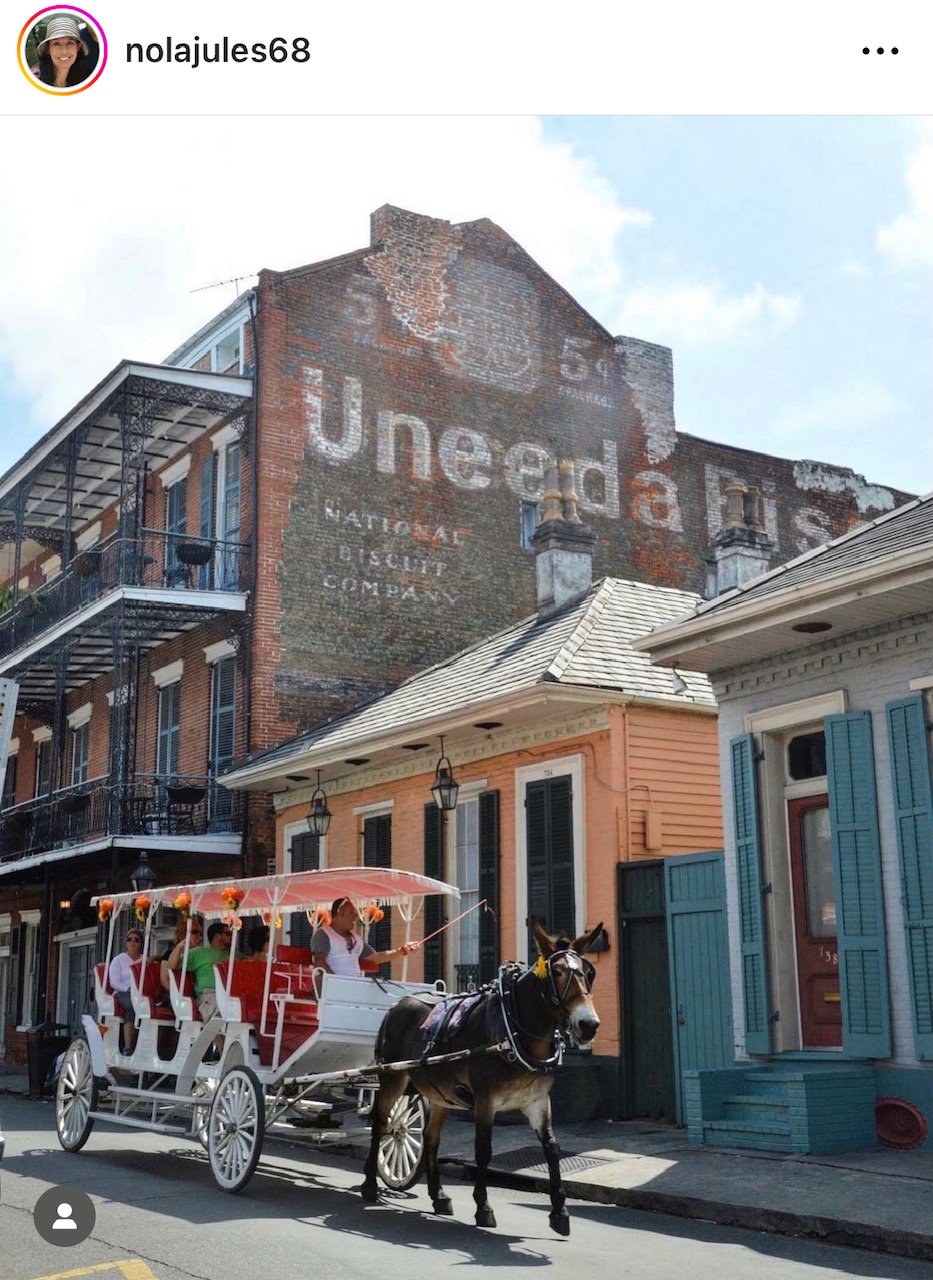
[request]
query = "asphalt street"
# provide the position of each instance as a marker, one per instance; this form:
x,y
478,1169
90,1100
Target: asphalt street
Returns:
x,y
160,1217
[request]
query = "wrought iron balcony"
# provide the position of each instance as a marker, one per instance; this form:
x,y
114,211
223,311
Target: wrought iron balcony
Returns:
x,y
186,807
155,561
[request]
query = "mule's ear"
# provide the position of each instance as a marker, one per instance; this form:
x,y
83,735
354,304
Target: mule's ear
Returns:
x,y
542,937
586,940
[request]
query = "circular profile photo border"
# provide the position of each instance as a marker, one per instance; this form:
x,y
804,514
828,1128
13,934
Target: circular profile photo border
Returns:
x,y
24,35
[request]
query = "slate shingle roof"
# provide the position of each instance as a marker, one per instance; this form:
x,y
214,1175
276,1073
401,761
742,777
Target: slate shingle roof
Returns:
x,y
907,528
585,645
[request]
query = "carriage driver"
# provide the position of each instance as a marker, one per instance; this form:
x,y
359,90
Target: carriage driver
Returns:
x,y
338,947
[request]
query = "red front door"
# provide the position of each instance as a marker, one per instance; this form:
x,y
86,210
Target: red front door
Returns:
x,y
815,922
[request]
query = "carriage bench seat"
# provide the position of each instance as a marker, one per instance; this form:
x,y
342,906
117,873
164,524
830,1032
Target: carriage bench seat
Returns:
x,y
103,991
243,1002
146,990
184,1005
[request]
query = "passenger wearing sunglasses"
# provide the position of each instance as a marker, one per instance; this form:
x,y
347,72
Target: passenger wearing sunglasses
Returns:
x,y
119,975
339,948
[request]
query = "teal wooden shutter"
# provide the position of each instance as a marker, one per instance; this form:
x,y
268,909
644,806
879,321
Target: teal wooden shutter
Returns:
x,y
853,818
489,885
433,904
377,852
913,808
751,915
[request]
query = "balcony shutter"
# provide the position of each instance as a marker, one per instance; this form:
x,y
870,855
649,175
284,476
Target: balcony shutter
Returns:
x,y
434,904
853,818
223,738
913,808
377,852
208,481
489,885
751,916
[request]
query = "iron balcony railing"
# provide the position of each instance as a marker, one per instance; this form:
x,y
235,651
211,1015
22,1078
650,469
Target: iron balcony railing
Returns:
x,y
185,806
155,559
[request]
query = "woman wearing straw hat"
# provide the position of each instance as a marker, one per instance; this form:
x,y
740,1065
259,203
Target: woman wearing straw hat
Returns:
x,y
63,55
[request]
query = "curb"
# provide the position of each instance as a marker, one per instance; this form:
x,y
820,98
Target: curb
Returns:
x,y
838,1231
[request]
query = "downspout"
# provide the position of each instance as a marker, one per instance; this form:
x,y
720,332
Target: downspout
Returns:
x,y
254,573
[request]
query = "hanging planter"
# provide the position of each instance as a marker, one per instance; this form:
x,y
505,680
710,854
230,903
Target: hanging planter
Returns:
x,y
30,605
86,563
196,553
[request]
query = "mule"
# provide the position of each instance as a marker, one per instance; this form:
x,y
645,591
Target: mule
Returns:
x,y
510,1038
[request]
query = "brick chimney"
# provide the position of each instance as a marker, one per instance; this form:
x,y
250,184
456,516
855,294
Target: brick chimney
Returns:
x,y
563,544
741,549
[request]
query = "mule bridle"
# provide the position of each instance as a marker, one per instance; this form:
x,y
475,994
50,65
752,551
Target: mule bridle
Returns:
x,y
508,978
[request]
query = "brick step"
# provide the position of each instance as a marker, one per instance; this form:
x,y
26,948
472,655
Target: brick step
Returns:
x,y
755,1106
759,1135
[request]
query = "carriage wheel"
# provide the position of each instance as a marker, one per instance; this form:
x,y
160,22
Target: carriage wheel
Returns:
x,y
235,1128
401,1148
75,1096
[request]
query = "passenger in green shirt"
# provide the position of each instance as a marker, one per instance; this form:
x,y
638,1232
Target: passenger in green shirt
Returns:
x,y
201,961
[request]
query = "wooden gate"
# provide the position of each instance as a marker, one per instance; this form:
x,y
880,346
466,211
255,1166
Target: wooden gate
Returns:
x,y
698,952
647,1038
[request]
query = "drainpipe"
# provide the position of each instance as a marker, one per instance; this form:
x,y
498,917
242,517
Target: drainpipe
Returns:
x,y
254,574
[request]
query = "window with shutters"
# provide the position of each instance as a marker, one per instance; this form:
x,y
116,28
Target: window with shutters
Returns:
x,y
176,497
550,881
465,867
169,735
377,852
304,854
223,739
228,515
43,776
549,828
9,782
28,986
80,753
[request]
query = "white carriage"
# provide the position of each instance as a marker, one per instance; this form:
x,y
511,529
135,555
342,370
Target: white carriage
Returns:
x,y
287,1031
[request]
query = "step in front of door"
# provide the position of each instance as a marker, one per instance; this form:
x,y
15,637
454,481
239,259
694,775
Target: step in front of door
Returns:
x,y
756,1106
758,1135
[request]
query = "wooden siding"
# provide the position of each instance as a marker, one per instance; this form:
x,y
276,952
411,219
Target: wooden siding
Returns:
x,y
673,768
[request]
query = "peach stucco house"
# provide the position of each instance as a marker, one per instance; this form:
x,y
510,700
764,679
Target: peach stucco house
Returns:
x,y
572,753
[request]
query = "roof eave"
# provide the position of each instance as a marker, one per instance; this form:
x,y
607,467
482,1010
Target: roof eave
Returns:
x,y
692,643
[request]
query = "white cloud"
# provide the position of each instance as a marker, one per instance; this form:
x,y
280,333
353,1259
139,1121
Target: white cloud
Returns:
x,y
908,239
698,314
847,410
104,235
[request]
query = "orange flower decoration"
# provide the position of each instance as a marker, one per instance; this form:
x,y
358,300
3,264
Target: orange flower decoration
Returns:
x,y
374,913
232,896
319,919
183,902
142,904
105,909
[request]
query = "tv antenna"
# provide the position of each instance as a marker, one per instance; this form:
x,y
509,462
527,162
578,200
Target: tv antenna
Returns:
x,y
218,283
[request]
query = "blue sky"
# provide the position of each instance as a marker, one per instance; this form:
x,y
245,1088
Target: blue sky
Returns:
x,y
786,260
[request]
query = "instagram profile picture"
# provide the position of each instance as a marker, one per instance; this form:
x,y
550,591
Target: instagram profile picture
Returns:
x,y
62,50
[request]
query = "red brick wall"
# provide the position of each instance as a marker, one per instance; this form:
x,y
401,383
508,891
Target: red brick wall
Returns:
x,y
408,396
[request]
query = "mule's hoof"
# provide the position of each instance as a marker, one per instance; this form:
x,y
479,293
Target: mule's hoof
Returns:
x,y
560,1222
485,1217
370,1193
444,1206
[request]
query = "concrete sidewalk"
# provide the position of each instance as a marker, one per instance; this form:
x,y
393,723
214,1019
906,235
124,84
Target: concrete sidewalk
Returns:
x,y
879,1200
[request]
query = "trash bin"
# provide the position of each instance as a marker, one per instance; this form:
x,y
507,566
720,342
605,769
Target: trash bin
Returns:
x,y
43,1045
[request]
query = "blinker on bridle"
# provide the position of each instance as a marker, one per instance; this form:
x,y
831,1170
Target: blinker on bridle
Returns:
x,y
544,969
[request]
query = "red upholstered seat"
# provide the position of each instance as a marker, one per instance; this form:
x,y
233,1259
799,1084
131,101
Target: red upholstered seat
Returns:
x,y
247,983
103,977
294,955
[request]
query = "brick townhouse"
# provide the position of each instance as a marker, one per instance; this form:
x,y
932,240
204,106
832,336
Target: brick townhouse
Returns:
x,y
331,485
